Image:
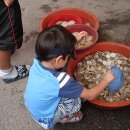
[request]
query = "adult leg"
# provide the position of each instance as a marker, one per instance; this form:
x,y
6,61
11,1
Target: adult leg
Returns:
x,y
5,60
11,73
11,36
5,63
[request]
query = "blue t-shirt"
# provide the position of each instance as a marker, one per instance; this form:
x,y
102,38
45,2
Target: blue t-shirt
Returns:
x,y
45,88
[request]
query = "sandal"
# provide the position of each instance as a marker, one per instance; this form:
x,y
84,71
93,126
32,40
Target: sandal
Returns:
x,y
22,70
75,118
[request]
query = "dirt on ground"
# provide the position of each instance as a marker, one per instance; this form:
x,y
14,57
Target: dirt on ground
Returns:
x,y
114,18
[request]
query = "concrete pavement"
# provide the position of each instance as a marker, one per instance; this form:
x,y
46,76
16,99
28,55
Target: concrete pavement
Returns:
x,y
114,17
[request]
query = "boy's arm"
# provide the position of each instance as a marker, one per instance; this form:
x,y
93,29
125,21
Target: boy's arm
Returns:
x,y
8,2
92,93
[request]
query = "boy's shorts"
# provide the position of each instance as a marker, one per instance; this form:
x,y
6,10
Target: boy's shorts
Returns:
x,y
66,109
11,30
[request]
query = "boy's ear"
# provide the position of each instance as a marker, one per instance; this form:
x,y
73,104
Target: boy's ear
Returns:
x,y
59,59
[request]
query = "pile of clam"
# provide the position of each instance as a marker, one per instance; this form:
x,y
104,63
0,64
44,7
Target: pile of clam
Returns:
x,y
66,23
91,69
86,41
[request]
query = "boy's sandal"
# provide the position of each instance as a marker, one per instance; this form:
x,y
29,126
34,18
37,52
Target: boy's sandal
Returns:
x,y
22,70
76,118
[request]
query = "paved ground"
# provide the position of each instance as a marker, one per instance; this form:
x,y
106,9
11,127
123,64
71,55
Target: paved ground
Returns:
x,y
114,16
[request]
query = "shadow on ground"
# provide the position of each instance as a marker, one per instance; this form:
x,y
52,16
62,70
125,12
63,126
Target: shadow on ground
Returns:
x,y
100,119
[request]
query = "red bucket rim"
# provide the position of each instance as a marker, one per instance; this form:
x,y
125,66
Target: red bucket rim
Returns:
x,y
102,46
45,19
86,28
65,17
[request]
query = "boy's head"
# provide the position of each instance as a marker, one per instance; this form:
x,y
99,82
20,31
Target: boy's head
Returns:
x,y
53,42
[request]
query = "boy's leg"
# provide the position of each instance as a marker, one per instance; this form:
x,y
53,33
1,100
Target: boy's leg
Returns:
x,y
68,110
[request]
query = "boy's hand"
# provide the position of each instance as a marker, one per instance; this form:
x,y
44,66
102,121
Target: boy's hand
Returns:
x,y
92,93
109,77
80,35
8,2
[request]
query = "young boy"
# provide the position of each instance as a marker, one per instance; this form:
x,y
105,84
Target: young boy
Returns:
x,y
51,95
11,37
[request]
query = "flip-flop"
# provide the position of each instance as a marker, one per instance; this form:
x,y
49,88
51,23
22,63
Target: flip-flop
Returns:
x,y
75,118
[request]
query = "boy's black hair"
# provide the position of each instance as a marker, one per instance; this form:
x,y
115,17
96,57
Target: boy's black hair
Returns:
x,y
55,41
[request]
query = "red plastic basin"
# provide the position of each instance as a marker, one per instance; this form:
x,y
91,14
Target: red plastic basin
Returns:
x,y
91,31
65,17
102,46
86,16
